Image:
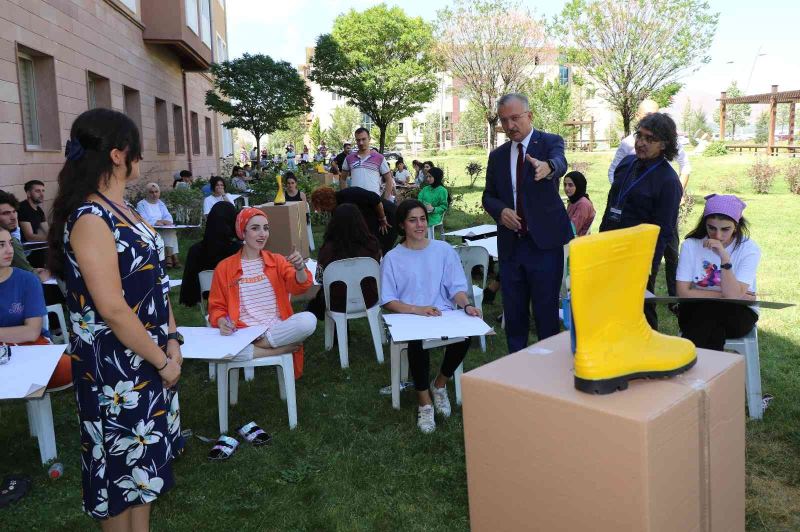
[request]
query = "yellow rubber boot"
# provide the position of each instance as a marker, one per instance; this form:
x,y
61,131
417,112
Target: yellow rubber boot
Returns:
x,y
614,342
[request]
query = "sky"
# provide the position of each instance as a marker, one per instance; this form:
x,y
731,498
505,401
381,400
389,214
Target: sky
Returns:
x,y
756,43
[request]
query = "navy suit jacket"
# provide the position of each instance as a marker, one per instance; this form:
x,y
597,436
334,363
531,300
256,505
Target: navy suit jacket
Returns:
x,y
545,214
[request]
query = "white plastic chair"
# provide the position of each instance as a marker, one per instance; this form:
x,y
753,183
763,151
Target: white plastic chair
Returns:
x,y
747,346
58,310
206,277
310,236
399,362
352,272
472,257
432,229
228,382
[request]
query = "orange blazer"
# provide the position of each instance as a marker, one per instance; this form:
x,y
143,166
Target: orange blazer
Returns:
x,y
224,297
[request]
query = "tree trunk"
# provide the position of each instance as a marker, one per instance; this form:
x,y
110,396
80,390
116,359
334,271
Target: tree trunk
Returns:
x,y
382,136
491,124
626,124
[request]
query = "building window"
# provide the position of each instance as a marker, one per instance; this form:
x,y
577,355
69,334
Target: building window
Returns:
x,y
205,22
132,106
366,121
227,141
130,4
400,127
177,127
162,132
563,74
222,49
209,139
98,91
191,16
194,123
336,96
38,99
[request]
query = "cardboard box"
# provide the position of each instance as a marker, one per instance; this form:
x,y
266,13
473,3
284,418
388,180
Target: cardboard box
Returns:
x,y
324,179
663,455
287,227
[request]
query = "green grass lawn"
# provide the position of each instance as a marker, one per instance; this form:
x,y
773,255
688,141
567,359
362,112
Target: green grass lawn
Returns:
x,y
354,463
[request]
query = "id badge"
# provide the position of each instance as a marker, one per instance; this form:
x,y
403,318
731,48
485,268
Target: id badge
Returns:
x,y
615,215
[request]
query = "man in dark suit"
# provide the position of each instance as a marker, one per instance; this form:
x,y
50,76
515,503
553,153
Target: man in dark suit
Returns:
x,y
532,224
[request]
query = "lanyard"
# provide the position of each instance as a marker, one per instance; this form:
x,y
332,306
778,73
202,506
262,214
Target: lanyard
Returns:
x,y
625,190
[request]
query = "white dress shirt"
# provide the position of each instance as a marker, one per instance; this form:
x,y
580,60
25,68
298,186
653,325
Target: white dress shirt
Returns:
x,y
513,162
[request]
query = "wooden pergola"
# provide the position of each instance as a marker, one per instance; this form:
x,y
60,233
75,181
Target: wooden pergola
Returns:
x,y
577,131
772,99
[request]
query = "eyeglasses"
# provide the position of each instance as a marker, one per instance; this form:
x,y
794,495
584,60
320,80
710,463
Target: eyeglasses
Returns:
x,y
5,354
513,118
647,138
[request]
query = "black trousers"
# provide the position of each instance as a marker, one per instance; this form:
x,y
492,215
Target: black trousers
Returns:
x,y
419,361
709,324
671,253
650,308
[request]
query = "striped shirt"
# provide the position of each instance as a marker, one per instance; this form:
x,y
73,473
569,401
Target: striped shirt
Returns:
x,y
366,172
259,305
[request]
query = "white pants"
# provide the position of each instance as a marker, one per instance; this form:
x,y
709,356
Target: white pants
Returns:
x,y
170,237
287,332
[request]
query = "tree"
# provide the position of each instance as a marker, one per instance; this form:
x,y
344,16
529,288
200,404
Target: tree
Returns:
x,y
665,94
735,115
430,131
551,103
782,118
390,136
345,120
635,48
293,134
380,60
762,128
471,127
257,94
491,47
315,133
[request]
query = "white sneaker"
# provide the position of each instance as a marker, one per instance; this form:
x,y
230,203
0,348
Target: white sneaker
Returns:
x,y
425,420
440,400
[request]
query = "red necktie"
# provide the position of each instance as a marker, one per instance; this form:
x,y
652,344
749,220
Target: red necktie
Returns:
x,y
520,172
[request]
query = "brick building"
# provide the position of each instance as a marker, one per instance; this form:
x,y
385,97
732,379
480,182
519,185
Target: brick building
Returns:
x,y
146,58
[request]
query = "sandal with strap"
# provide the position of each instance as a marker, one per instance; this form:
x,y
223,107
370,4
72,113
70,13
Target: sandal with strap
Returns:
x,y
254,434
14,487
224,448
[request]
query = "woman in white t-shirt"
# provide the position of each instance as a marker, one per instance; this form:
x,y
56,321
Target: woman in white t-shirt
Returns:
x,y
217,194
718,261
442,285
155,213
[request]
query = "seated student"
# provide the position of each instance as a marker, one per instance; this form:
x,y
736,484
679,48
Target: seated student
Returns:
x,y
718,261
253,286
378,212
239,179
182,180
442,287
419,174
217,185
346,237
401,174
580,209
155,213
434,196
219,242
23,309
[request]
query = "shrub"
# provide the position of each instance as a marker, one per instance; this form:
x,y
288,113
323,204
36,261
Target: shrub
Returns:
x,y
685,208
762,175
729,184
715,149
474,171
185,205
263,190
792,176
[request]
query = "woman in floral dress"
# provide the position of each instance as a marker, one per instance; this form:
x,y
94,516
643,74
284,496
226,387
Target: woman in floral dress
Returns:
x,y
123,340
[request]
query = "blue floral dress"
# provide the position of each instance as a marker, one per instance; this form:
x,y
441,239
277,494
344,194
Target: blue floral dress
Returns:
x,y
129,424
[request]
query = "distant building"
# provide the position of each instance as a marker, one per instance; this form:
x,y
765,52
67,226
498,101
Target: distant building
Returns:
x,y
146,58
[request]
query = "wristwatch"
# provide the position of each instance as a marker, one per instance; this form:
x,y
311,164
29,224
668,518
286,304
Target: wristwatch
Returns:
x,y
726,266
178,337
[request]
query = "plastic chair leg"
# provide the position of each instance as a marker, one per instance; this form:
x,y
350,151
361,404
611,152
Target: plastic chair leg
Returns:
x,y
373,316
31,418
212,371
341,335
755,406
310,237
249,374
233,386
42,414
222,397
395,356
281,383
287,366
330,326
457,379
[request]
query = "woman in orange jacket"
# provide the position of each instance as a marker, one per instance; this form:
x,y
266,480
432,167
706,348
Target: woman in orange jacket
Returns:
x,y
252,287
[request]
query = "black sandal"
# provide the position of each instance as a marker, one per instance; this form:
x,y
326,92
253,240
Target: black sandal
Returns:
x,y
224,448
254,434
14,488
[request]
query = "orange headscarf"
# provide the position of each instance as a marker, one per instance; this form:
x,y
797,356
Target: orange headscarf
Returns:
x,y
243,217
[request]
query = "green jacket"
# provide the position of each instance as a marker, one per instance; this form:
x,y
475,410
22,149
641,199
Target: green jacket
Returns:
x,y
20,260
437,197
